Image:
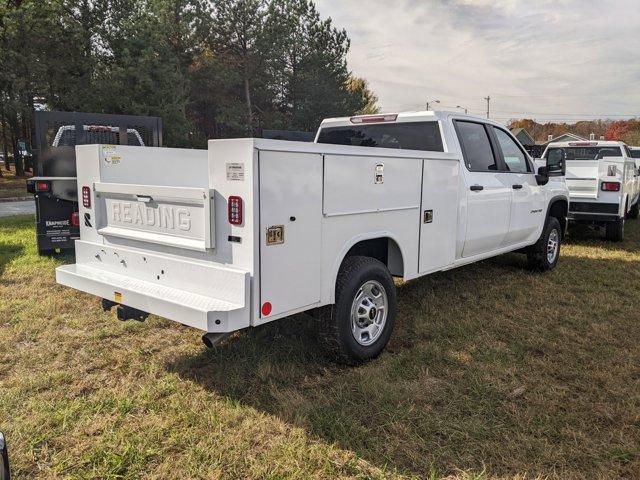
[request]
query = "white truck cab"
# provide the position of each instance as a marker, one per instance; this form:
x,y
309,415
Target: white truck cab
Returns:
x,y
603,180
254,230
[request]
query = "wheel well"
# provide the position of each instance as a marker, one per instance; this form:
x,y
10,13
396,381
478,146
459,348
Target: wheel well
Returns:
x,y
559,210
384,249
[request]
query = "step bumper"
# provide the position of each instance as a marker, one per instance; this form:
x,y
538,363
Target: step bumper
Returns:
x,y
195,310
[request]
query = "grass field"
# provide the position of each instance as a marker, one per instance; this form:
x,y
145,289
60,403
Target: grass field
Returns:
x,y
493,372
10,186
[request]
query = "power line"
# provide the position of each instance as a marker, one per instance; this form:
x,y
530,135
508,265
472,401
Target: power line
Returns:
x,y
556,95
570,114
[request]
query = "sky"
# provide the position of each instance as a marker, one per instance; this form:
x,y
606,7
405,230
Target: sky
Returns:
x,y
562,60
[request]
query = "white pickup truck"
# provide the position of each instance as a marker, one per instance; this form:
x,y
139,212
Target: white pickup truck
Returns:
x,y
603,180
254,230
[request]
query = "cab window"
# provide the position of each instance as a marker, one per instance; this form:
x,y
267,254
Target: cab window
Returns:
x,y
514,158
404,135
476,147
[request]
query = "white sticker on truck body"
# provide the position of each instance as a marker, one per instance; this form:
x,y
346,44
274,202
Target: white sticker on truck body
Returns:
x,y
235,172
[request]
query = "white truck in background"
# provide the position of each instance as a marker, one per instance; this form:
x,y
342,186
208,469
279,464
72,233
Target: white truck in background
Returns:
x,y
603,180
254,230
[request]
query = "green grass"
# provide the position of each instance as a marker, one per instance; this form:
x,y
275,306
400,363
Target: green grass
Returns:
x,y
492,372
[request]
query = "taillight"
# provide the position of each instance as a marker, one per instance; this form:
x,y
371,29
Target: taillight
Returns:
x,y
42,186
235,210
75,219
610,186
391,117
86,197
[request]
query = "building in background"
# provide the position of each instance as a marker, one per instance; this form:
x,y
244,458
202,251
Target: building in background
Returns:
x,y
523,137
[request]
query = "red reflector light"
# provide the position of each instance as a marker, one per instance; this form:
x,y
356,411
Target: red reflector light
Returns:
x,y
610,186
42,186
75,219
266,308
234,210
86,197
392,117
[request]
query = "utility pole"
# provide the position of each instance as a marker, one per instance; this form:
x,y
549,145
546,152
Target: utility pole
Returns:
x,y
487,98
432,101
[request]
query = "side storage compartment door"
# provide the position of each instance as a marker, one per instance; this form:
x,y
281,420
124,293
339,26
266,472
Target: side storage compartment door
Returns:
x,y
439,214
290,231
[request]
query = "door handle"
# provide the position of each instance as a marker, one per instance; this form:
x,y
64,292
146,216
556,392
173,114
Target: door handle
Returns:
x,y
517,187
476,188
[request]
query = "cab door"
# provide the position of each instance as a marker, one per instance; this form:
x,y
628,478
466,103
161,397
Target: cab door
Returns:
x,y
527,197
488,190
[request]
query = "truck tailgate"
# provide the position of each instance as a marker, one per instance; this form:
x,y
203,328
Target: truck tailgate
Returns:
x,y
582,178
174,216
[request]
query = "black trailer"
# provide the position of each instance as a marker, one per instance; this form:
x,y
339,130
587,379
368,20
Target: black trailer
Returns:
x,y
55,188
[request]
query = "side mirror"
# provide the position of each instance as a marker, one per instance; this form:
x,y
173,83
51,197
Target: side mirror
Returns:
x,y
542,177
557,169
556,166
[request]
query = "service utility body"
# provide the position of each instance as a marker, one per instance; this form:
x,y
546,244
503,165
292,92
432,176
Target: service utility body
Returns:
x,y
603,178
254,230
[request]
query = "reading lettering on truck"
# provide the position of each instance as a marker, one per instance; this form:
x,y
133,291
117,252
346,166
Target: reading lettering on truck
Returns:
x,y
254,230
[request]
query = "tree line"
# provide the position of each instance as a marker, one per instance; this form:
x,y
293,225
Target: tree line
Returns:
x,y
210,69
624,130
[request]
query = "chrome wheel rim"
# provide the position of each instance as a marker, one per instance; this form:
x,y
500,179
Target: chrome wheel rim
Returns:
x,y
369,312
553,243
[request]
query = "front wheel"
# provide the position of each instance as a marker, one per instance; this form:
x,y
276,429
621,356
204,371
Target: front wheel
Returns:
x,y
358,326
545,253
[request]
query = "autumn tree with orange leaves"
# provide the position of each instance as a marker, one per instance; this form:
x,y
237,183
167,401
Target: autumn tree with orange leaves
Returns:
x,y
627,131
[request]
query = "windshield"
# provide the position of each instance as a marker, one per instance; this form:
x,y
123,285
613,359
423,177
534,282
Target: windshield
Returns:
x,y
583,153
635,153
406,135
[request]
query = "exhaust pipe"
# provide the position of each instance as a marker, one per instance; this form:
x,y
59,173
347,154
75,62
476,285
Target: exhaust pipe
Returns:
x,y
212,339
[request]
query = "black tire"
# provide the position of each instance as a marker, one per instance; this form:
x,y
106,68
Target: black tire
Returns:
x,y
634,211
614,231
537,256
5,474
336,328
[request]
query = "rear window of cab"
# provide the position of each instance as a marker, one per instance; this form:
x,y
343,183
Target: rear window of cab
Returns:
x,y
583,153
398,135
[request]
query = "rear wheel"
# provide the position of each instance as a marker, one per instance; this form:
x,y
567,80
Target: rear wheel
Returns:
x,y
545,253
614,231
358,326
634,211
